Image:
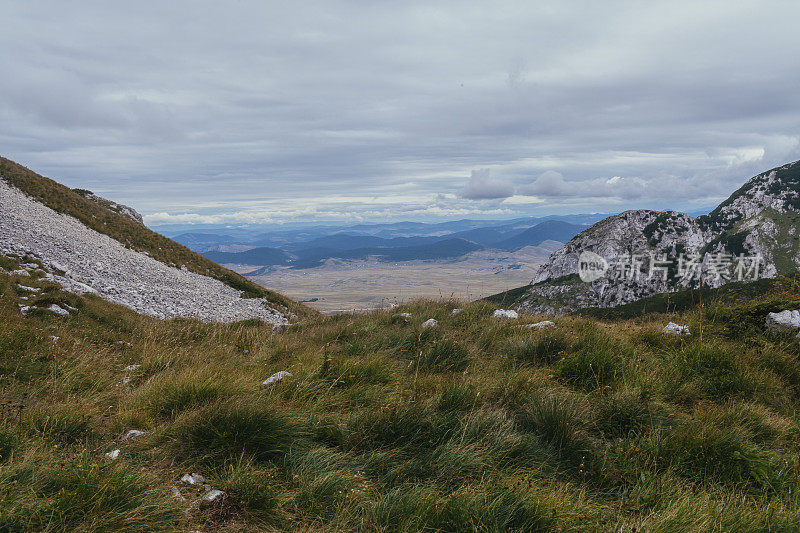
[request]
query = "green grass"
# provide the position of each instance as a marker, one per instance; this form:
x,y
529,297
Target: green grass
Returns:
x,y
478,425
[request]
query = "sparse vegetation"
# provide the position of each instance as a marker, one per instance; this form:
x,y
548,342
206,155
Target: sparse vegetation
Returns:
x,y
129,232
476,425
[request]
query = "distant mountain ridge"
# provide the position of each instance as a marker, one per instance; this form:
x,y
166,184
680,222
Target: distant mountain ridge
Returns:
x,y
761,219
308,254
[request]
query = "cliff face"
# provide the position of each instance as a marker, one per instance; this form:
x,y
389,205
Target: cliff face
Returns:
x,y
650,252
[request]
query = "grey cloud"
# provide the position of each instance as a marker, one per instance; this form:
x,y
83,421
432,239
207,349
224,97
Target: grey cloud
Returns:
x,y
551,184
481,186
297,104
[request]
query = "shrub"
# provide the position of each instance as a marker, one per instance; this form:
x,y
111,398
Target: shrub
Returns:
x,y
623,412
167,399
591,367
558,420
470,508
349,372
445,355
8,443
83,494
714,369
401,425
226,429
63,426
707,448
541,349
256,490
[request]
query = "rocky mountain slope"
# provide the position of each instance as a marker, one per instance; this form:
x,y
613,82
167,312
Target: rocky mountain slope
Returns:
x,y
57,229
754,233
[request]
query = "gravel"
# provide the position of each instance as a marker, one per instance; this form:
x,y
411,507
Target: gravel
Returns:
x,y
95,263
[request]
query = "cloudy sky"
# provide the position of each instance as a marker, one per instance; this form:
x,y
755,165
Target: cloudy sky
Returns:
x,y
274,112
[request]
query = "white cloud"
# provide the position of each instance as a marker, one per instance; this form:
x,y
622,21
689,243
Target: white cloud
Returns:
x,y
482,186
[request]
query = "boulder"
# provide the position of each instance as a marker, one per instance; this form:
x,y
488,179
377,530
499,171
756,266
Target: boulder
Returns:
x,y
277,377
783,321
132,434
176,493
113,454
57,309
28,289
213,495
542,324
505,313
430,323
675,329
454,312
193,479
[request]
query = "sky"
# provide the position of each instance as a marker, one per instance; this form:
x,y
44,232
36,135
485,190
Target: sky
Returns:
x,y
260,112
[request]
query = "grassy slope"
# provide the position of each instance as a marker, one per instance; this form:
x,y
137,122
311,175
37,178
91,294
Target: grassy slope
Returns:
x,y
477,425
64,200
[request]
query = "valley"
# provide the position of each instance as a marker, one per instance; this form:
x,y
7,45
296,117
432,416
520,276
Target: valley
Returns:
x,y
344,285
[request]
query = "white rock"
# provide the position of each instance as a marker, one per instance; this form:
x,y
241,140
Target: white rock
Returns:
x,y
405,315
213,495
131,368
193,479
505,313
430,323
29,289
113,454
132,434
454,312
675,329
176,493
22,273
542,324
783,321
277,377
58,310
24,309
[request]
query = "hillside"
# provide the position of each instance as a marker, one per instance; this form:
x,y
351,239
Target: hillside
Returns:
x,y
478,424
760,220
91,244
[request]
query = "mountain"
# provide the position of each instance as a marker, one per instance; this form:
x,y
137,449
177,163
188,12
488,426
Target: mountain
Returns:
x,y
445,249
347,241
651,252
87,244
551,230
257,256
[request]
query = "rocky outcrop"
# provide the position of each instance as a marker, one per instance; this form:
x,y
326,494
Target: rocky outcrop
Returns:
x,y
120,209
650,252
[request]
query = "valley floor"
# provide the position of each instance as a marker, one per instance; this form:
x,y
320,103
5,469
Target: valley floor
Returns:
x,y
340,286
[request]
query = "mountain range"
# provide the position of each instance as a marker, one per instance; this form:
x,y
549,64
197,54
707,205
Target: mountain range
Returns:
x,y
505,236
